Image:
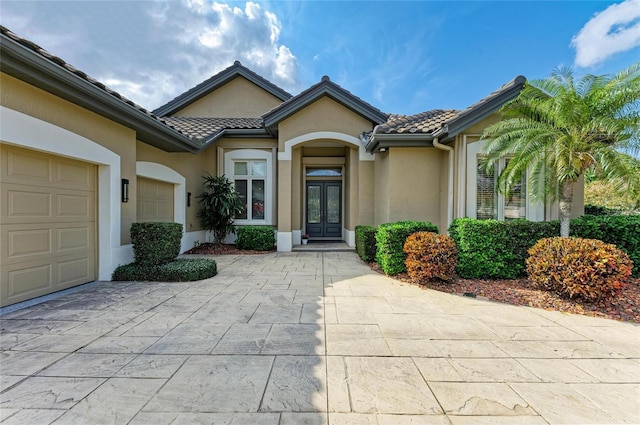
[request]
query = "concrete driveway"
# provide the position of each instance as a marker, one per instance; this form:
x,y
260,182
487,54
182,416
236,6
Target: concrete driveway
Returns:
x,y
309,338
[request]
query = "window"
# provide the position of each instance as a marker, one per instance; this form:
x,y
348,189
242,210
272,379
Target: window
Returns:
x,y
484,201
250,170
490,204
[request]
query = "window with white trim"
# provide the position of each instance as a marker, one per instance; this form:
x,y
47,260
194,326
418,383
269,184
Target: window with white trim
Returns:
x,y
251,172
485,201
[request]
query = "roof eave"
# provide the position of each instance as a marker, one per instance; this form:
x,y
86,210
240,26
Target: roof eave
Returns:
x,y
399,140
26,65
215,82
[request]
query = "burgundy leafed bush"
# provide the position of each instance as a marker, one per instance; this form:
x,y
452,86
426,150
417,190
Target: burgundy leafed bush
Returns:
x,y
586,269
430,256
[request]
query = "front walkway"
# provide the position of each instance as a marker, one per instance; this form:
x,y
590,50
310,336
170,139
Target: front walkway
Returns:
x,y
309,338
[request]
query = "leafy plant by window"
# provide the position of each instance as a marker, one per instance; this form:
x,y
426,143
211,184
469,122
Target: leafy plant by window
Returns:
x,y
220,203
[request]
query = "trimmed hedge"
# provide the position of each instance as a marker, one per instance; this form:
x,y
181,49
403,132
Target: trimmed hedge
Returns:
x,y
178,270
366,242
498,249
257,238
390,239
155,243
430,256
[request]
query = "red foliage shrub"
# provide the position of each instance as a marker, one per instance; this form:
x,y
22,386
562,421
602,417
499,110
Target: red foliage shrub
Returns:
x,y
430,256
588,269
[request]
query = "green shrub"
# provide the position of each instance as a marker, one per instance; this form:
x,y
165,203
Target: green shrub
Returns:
x,y
366,242
390,239
155,243
587,269
498,249
599,210
257,238
430,256
178,270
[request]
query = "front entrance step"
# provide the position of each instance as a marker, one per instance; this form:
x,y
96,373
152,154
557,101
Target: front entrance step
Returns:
x,y
323,246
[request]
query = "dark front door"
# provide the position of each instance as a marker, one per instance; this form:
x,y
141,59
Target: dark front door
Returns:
x,y
324,209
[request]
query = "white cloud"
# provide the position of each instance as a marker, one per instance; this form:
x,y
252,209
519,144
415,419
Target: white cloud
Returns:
x,y
153,51
614,30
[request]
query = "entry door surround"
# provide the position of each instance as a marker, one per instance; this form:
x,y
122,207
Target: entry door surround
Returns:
x,y
323,212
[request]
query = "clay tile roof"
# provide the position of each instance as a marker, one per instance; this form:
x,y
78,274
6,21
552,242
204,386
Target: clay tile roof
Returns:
x,y
424,122
204,128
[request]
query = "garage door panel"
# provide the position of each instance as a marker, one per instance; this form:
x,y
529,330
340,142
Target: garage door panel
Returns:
x,y
25,203
76,206
74,238
27,167
26,280
22,242
74,175
74,271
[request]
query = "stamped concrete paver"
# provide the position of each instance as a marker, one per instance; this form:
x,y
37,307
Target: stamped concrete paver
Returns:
x,y
309,338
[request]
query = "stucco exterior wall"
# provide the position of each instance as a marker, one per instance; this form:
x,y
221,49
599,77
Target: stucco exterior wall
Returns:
x,y
381,188
322,115
414,191
237,98
366,193
25,98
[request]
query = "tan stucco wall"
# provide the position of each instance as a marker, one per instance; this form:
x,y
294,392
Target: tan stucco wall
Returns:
x,y
366,193
237,98
25,98
381,188
322,115
414,188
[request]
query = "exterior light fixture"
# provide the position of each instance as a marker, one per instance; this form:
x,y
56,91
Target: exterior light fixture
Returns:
x,y
125,190
383,150
188,199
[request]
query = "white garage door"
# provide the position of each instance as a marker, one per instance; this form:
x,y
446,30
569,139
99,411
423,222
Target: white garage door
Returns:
x,y
155,200
47,224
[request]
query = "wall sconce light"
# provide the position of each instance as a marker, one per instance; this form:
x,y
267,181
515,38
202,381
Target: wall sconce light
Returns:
x,y
125,190
188,199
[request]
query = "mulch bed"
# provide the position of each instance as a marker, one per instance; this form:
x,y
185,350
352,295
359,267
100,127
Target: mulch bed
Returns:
x,y
625,306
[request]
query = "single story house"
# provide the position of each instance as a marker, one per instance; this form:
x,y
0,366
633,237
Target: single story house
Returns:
x,y
80,163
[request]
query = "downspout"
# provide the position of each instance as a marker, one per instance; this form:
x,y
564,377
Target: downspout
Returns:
x,y
449,149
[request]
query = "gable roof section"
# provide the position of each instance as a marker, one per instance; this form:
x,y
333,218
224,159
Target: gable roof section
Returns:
x,y
29,62
422,128
218,80
324,88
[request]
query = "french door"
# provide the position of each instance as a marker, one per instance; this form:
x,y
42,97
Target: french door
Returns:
x,y
324,209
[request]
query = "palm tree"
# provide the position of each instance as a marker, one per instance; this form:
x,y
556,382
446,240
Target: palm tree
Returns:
x,y
559,128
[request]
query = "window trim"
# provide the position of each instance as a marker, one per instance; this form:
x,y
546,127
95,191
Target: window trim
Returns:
x,y
247,155
533,211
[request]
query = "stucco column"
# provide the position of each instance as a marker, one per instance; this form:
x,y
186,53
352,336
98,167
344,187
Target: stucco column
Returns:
x,y
285,241
353,190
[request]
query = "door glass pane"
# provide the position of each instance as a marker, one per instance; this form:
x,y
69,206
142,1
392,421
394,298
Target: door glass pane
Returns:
x,y
324,172
515,202
258,168
485,195
257,199
240,168
313,204
241,188
333,204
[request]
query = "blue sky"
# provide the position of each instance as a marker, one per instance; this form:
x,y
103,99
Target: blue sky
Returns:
x,y
402,57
